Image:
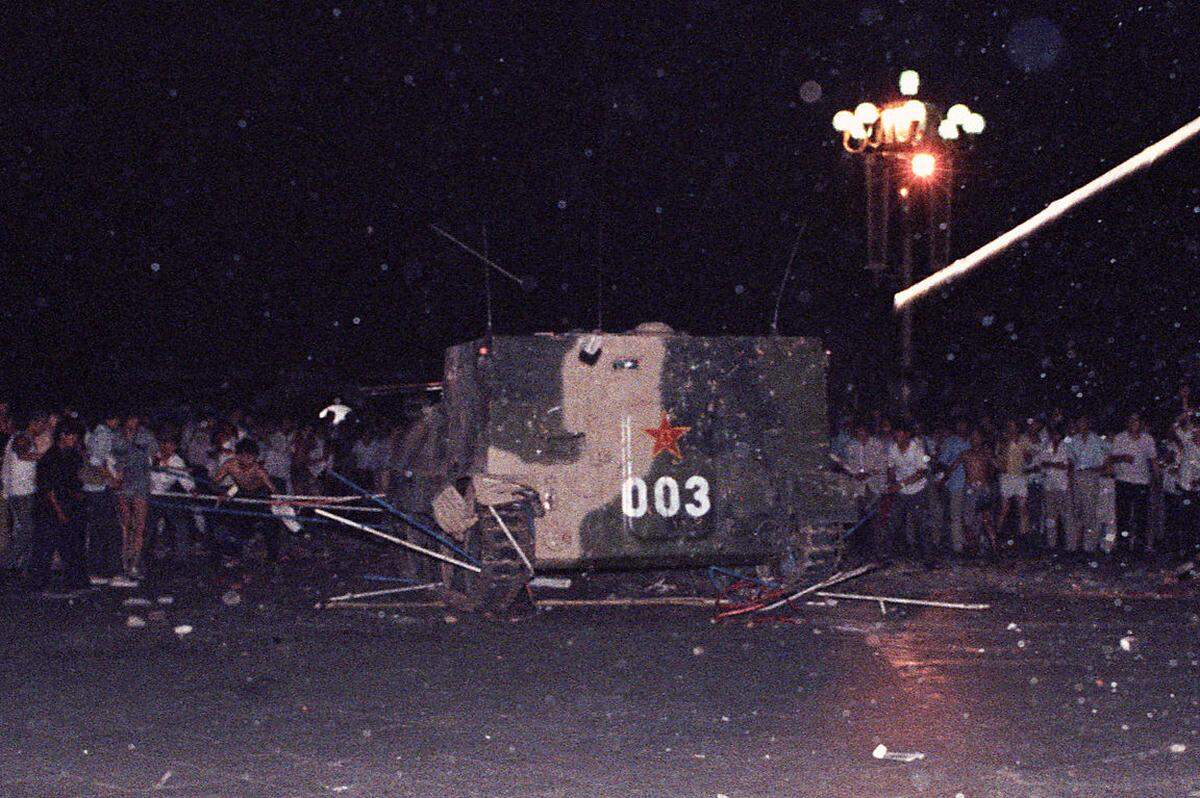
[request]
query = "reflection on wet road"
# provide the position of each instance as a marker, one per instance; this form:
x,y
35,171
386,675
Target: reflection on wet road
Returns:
x,y
1036,697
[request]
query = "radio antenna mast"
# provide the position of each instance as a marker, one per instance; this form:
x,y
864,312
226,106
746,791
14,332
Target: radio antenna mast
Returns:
x,y
487,285
600,277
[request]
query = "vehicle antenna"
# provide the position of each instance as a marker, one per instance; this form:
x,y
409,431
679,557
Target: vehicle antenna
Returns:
x,y
786,274
600,277
487,286
483,258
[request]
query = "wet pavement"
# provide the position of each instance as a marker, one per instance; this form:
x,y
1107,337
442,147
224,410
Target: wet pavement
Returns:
x,y
273,697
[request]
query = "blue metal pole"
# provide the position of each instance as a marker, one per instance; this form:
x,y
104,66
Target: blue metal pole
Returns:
x,y
408,519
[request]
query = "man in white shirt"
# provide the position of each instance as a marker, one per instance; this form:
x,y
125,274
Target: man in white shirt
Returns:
x,y
1133,456
18,478
277,455
169,475
908,472
857,459
197,443
1089,458
1058,512
861,460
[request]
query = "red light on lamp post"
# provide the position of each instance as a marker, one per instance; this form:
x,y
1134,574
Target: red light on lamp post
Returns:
x,y
923,164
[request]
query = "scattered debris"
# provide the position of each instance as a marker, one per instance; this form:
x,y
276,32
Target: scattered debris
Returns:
x,y
1128,643
698,651
450,618
399,541
551,582
378,605
232,598
182,629
165,601
881,752
896,600
162,782
661,587
657,601
785,596
135,622
136,601
1178,748
384,592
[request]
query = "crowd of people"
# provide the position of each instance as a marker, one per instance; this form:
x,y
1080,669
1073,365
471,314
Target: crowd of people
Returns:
x,y
110,499
1047,482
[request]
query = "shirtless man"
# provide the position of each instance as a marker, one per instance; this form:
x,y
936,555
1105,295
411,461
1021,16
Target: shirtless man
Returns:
x,y
977,467
251,482
248,475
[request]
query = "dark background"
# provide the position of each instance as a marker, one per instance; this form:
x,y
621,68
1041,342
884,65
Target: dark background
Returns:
x,y
198,197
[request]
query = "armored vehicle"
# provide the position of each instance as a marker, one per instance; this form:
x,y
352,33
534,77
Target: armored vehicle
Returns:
x,y
647,449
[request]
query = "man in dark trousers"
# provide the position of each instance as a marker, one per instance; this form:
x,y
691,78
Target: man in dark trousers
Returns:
x,y
60,523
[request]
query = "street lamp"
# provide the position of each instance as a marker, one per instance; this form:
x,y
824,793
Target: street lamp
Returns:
x,y
907,146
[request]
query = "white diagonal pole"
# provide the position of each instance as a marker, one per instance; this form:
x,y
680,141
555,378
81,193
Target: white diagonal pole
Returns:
x,y
406,544
511,539
1049,214
385,592
486,260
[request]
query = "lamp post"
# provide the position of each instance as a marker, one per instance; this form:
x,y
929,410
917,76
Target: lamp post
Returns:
x,y
902,154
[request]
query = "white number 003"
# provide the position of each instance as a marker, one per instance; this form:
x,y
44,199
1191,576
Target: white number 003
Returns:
x,y
635,497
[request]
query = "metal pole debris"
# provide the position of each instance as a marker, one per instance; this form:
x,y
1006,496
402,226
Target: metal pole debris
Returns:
x,y
381,605
312,502
951,605
388,591
413,546
405,517
833,580
508,534
659,601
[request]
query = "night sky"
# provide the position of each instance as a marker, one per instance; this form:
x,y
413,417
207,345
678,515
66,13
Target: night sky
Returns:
x,y
196,194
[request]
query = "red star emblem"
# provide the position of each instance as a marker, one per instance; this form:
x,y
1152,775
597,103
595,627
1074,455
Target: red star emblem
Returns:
x,y
666,438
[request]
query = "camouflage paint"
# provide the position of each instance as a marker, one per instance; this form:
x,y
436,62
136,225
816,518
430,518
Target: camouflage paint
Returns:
x,y
576,433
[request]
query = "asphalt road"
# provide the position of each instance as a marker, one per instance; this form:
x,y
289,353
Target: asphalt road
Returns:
x,y
275,698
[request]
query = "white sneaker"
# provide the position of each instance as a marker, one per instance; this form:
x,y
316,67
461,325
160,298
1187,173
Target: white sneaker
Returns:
x,y
122,581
